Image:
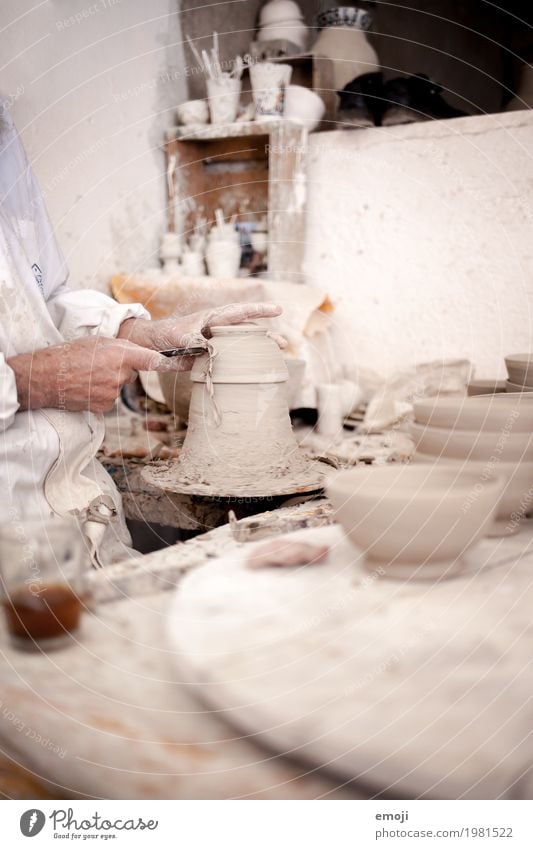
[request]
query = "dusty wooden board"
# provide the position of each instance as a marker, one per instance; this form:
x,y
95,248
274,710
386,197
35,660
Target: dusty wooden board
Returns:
x,y
417,689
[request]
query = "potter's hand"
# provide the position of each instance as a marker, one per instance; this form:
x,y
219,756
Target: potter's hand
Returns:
x,y
192,331
86,374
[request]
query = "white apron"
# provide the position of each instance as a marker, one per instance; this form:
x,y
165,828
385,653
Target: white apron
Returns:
x,y
48,464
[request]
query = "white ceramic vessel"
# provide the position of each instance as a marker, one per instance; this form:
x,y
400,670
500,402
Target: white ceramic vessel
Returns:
x,y
485,412
223,258
192,263
517,387
506,445
278,11
517,497
223,94
240,437
269,80
303,106
193,112
520,369
410,520
351,53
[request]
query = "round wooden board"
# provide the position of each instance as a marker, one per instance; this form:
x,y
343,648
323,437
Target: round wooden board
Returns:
x,y
163,475
411,688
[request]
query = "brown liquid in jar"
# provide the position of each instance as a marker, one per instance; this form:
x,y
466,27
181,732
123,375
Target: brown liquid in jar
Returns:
x,y
55,610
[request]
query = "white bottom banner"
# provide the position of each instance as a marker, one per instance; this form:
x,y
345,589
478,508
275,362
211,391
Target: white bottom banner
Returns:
x,y
269,824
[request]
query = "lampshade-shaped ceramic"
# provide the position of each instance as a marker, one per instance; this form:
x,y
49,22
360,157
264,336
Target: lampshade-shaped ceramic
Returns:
x,y
240,440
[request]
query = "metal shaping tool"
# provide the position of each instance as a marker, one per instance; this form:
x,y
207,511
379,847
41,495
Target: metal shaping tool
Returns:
x,y
183,352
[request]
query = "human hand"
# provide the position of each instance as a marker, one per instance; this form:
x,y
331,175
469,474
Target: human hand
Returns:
x,y
193,331
85,374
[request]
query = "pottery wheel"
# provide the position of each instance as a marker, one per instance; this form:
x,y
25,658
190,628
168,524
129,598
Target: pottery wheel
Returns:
x,y
409,688
163,475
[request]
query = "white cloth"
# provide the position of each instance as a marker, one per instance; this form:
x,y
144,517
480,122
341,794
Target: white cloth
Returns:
x,y
48,456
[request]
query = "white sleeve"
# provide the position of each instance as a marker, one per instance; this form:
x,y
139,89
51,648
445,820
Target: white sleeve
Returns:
x,y
85,312
8,395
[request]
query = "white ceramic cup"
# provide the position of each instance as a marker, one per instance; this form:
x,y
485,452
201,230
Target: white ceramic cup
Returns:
x,y
331,406
223,95
193,264
269,80
223,258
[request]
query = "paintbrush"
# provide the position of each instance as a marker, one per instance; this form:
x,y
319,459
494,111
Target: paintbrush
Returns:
x,y
195,51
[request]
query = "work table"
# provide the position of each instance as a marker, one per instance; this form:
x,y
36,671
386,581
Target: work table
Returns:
x,y
112,717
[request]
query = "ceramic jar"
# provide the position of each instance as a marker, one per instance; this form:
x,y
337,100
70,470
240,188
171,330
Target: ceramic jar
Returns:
x,y
223,95
239,425
343,40
223,257
269,80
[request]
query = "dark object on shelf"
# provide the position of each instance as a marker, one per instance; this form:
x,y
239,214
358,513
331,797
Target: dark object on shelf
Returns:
x,y
361,101
415,98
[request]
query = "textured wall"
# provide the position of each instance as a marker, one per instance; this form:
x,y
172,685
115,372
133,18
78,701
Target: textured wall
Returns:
x,y
97,85
423,236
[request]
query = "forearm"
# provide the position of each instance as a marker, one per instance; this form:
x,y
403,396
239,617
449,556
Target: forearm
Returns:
x,y
36,386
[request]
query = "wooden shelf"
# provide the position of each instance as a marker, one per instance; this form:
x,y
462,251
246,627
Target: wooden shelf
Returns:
x,y
219,132
250,169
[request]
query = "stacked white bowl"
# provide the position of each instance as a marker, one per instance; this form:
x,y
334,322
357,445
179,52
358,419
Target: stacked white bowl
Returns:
x,y
487,434
410,520
520,372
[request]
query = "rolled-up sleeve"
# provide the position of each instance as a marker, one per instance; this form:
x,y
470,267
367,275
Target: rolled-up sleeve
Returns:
x,y
8,395
86,312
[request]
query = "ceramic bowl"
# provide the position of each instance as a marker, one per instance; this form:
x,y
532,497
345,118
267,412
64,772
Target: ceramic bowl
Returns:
x,y
517,387
520,369
486,387
506,445
279,11
484,413
303,106
411,520
517,497
193,112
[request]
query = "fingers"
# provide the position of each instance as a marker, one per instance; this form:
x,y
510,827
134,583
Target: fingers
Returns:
x,y
240,313
280,341
137,358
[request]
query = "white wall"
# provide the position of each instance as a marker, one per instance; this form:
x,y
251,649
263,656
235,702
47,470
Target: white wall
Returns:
x,y
98,82
423,235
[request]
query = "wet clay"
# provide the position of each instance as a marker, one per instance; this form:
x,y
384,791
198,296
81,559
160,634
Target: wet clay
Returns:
x,y
240,439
